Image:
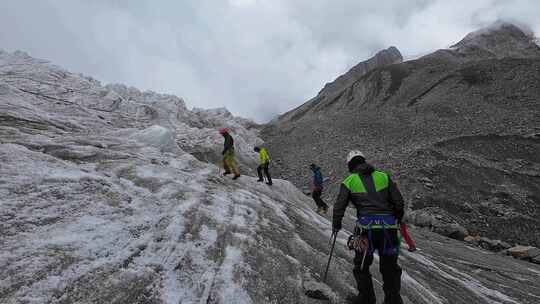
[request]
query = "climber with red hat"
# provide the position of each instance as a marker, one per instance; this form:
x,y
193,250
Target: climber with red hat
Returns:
x,y
229,162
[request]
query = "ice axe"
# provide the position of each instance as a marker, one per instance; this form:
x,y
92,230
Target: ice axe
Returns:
x,y
318,290
334,236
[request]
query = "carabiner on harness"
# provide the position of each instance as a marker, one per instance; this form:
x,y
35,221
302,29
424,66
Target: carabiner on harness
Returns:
x,y
357,241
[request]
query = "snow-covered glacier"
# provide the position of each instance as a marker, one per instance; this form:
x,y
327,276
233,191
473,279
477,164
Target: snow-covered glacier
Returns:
x,y
112,195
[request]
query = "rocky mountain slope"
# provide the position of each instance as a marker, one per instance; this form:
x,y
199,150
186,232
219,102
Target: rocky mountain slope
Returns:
x,y
459,129
382,58
102,200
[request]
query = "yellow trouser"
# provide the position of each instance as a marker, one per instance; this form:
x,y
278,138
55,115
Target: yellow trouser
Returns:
x,y
229,163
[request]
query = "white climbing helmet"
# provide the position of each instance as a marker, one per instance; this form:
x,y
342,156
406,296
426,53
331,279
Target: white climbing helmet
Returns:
x,y
353,154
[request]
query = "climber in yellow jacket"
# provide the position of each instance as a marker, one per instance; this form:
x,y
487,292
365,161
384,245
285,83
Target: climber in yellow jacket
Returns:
x,y
264,159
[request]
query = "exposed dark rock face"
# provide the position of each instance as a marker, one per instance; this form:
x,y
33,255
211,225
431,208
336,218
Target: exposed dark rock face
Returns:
x,y
458,129
499,40
342,87
382,58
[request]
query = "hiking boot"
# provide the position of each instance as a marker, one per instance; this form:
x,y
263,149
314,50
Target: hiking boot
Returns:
x,y
269,183
236,176
260,180
226,172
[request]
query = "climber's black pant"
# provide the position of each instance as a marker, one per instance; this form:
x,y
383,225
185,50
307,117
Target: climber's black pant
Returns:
x,y
266,172
388,266
316,194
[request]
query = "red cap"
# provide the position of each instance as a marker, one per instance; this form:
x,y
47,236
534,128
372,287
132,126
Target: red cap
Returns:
x,y
223,131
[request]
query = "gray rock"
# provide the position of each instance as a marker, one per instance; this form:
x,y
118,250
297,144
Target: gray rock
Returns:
x,y
317,290
524,252
493,245
467,207
454,231
428,183
474,240
439,221
534,252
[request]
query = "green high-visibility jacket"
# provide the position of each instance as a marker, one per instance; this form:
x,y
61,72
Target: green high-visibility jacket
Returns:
x,y
371,192
263,156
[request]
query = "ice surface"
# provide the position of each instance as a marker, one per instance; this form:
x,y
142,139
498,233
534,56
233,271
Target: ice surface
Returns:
x,y
156,136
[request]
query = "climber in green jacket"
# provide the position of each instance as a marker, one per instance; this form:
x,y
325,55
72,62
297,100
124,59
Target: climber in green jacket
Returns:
x,y
264,159
380,210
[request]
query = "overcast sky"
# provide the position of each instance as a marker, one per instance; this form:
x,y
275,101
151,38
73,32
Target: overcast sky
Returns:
x,y
258,58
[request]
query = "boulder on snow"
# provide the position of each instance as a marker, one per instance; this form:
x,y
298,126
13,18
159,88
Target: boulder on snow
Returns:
x,y
453,230
493,245
473,240
439,221
422,219
524,252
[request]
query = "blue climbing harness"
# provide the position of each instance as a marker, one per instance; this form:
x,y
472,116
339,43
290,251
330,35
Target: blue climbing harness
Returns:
x,y
383,222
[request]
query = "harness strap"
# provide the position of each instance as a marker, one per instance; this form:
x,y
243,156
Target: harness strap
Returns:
x,y
378,222
382,222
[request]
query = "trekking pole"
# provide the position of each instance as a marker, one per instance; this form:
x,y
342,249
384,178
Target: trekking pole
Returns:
x,y
334,235
363,258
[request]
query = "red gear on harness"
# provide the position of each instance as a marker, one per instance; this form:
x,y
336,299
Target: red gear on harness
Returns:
x,y
407,237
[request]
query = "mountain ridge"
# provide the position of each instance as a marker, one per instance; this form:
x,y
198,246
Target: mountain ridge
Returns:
x,y
401,115
387,56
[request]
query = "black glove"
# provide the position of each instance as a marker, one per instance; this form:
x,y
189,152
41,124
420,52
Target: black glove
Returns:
x,y
336,225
